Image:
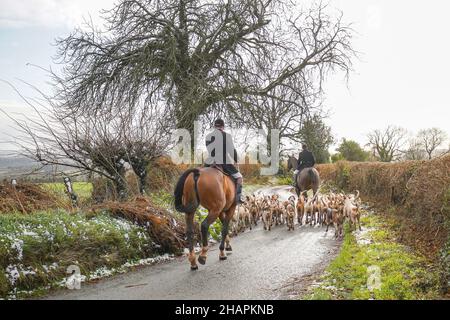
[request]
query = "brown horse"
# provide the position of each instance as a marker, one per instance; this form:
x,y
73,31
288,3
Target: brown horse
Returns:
x,y
307,179
215,191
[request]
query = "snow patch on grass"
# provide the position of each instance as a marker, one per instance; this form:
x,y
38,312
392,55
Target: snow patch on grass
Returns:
x,y
37,249
363,237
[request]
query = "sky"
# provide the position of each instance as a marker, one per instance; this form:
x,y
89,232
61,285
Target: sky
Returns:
x,y
401,76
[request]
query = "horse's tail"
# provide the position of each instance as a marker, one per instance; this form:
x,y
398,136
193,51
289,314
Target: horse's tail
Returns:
x,y
178,193
312,176
314,179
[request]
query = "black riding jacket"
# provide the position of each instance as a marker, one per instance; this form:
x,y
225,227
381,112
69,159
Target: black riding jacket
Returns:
x,y
305,160
220,152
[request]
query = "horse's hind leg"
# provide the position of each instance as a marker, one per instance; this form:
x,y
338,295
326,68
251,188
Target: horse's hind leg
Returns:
x,y
190,238
228,217
212,216
225,241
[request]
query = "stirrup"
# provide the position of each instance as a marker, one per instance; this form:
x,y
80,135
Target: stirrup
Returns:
x,y
238,196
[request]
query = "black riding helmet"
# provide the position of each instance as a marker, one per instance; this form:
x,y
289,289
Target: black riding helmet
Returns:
x,y
219,123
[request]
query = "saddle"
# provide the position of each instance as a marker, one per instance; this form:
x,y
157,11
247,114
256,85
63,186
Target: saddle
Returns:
x,y
219,167
235,181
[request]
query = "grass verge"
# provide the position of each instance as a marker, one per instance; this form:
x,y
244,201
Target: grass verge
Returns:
x,y
35,250
375,254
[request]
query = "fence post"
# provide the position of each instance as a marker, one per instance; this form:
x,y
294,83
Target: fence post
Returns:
x,y
14,184
70,192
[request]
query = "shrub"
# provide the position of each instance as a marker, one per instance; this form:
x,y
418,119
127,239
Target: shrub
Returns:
x,y
25,198
417,189
285,180
163,174
103,190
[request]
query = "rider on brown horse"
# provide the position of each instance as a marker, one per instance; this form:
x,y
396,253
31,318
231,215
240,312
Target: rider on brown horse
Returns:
x,y
222,153
305,160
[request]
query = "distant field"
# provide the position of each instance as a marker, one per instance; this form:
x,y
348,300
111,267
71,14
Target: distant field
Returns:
x,y
82,189
19,167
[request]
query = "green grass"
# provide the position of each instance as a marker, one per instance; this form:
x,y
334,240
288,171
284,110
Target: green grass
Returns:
x,y
36,249
82,189
285,180
163,199
215,228
404,274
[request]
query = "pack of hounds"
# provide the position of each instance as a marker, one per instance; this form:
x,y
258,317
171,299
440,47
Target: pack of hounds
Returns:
x,y
321,209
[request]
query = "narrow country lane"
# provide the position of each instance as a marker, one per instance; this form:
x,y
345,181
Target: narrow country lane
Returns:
x,y
263,265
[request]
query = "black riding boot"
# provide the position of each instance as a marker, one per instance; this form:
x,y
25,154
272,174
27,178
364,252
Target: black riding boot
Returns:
x,y
239,194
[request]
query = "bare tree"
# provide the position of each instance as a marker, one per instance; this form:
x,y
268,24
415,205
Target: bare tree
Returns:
x,y
431,139
415,150
72,143
387,144
192,55
145,139
99,145
283,110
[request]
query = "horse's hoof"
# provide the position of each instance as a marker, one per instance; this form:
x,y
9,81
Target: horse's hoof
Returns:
x,y
193,268
201,259
228,248
221,258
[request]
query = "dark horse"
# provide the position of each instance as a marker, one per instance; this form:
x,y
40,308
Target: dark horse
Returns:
x,y
307,179
216,192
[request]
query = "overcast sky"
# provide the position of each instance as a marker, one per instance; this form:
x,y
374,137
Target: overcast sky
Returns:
x,y
401,78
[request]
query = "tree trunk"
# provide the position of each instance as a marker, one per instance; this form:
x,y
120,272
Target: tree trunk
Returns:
x,y
120,182
139,165
185,120
143,182
269,142
121,187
